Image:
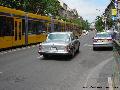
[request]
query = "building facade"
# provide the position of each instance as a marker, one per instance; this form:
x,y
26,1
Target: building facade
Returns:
x,y
66,12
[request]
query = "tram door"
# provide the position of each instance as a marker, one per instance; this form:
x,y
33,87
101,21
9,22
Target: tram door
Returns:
x,y
17,40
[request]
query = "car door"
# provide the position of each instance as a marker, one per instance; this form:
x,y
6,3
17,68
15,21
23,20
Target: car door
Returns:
x,y
73,41
76,41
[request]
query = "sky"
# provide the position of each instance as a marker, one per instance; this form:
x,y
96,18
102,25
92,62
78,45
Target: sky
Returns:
x,y
88,9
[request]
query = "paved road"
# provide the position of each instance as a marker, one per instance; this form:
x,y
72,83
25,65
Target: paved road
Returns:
x,y
24,69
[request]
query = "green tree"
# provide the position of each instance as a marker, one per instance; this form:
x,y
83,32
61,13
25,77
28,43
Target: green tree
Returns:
x,y
110,22
99,24
52,7
35,6
86,25
11,3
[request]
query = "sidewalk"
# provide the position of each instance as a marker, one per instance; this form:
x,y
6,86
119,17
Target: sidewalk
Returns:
x,y
116,68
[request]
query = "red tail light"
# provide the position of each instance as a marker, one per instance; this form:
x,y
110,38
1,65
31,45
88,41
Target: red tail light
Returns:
x,y
95,40
109,39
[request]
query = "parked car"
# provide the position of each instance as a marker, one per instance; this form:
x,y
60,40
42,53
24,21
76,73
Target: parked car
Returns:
x,y
102,39
60,43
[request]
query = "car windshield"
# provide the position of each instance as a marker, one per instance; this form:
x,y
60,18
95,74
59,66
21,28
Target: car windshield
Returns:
x,y
58,37
103,35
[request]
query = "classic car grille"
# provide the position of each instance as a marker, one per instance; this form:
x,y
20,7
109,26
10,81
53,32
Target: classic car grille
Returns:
x,y
58,47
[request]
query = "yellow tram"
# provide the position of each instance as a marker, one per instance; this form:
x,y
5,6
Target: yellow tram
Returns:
x,y
12,27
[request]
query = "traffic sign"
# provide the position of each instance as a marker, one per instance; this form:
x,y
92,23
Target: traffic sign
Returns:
x,y
114,12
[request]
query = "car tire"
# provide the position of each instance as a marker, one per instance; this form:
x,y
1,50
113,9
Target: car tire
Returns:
x,y
94,48
111,48
72,54
46,56
78,49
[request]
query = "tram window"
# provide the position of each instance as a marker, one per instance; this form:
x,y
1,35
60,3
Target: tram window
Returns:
x,y
9,25
32,26
49,27
1,30
6,26
36,27
56,27
2,25
59,27
29,27
23,26
41,27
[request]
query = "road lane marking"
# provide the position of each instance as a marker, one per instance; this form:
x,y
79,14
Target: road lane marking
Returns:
x,y
85,45
110,83
1,72
96,70
89,45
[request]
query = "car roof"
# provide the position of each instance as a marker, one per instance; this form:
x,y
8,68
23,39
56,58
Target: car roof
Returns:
x,y
102,33
61,33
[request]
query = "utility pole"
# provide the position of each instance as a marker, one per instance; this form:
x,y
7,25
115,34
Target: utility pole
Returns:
x,y
105,23
26,22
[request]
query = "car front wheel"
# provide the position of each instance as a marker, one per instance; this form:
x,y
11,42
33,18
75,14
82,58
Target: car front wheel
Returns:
x,y
72,53
78,50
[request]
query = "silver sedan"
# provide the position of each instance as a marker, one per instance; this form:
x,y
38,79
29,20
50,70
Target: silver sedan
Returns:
x,y
102,39
59,43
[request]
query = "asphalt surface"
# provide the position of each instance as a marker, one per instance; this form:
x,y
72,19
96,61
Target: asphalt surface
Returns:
x,y
25,69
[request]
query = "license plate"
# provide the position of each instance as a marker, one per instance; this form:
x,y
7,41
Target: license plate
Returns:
x,y
105,40
99,41
53,49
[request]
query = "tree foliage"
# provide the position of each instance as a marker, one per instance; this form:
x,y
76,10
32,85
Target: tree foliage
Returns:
x,y
99,24
44,7
110,23
84,24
